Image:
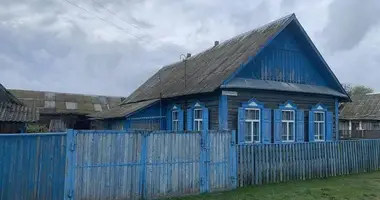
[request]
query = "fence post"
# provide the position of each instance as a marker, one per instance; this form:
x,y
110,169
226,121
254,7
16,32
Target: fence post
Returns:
x,y
204,163
69,186
233,160
143,161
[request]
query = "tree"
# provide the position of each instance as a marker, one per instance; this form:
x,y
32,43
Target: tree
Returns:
x,y
357,89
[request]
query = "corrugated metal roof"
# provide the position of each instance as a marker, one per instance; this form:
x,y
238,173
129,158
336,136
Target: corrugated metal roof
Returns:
x,y
207,70
65,103
362,107
11,112
123,110
281,86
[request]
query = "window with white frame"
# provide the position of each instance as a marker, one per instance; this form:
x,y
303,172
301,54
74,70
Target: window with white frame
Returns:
x,y
252,125
198,119
319,126
288,125
175,120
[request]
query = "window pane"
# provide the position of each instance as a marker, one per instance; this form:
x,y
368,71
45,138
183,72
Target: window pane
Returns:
x,y
322,131
291,113
252,114
197,114
291,131
284,134
287,115
248,132
256,131
200,125
175,125
175,115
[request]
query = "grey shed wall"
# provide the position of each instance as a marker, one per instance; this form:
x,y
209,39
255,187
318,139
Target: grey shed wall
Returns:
x,y
272,100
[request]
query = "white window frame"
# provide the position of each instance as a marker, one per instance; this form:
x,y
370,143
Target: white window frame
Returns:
x,y
287,125
324,126
197,121
252,121
175,120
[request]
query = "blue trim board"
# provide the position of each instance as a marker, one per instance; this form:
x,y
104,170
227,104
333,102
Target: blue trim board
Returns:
x,y
336,119
223,112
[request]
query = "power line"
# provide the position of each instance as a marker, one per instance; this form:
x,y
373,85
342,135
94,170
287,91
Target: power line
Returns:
x,y
110,23
134,25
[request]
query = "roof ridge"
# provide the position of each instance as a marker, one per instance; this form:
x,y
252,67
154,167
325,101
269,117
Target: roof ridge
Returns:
x,y
91,95
263,26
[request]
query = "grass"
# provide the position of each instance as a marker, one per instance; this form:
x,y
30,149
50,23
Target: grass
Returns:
x,y
361,186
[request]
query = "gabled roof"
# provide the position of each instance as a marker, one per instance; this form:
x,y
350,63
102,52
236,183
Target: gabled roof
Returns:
x,y
66,103
209,69
362,107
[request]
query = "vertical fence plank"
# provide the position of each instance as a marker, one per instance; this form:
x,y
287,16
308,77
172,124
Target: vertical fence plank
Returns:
x,y
69,186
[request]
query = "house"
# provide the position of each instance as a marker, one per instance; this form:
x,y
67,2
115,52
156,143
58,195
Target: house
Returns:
x,y
14,115
361,116
270,84
60,111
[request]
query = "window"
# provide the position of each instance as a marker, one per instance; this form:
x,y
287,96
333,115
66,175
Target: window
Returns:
x,y
98,107
319,126
252,125
198,119
175,120
49,104
287,126
71,105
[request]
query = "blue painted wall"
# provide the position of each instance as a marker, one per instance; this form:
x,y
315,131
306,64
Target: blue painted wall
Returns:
x,y
151,111
285,59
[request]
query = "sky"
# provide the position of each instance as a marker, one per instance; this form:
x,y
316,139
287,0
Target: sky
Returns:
x,y
111,47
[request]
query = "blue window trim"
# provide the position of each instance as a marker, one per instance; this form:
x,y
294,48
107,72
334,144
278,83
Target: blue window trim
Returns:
x,y
289,105
320,108
174,107
253,103
190,116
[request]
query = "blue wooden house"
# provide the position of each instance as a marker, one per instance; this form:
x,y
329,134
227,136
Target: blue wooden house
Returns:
x,y
270,84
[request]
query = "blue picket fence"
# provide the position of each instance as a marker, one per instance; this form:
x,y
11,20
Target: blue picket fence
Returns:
x,y
147,165
274,163
32,166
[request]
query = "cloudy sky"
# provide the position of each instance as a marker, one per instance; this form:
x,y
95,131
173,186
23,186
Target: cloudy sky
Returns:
x,y
111,47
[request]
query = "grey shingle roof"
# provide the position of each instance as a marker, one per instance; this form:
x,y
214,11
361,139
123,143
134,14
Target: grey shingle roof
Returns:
x,y
362,107
206,71
123,110
12,112
85,104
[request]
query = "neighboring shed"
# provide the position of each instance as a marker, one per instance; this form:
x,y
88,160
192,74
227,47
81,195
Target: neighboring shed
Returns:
x,y
362,114
60,111
270,84
14,115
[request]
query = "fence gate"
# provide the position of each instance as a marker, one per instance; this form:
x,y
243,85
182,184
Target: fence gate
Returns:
x,y
148,164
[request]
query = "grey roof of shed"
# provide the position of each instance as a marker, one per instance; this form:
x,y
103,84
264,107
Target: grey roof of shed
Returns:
x,y
207,70
85,104
281,86
362,107
123,110
12,112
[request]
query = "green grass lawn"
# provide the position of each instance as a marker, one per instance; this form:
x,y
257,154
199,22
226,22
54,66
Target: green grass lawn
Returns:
x,y
362,186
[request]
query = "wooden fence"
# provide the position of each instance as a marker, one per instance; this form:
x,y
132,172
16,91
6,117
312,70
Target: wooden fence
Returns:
x,y
32,166
148,165
274,163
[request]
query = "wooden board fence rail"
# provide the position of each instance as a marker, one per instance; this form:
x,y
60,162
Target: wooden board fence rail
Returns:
x,y
274,163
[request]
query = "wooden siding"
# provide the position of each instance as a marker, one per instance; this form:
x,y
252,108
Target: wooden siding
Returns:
x,y
272,100
285,60
210,100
